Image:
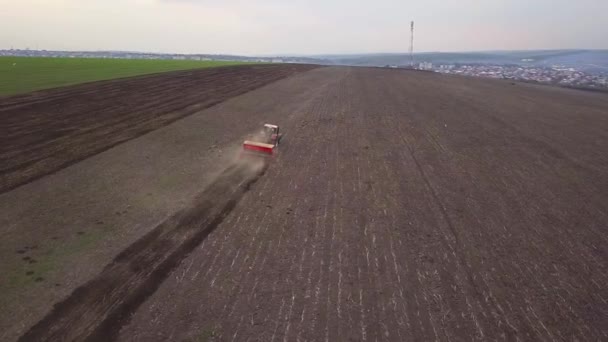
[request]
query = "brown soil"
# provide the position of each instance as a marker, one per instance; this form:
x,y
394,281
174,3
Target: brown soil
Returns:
x,y
93,310
48,130
402,206
59,231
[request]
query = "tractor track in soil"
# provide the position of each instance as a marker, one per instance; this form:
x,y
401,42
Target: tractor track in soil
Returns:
x,y
95,310
48,130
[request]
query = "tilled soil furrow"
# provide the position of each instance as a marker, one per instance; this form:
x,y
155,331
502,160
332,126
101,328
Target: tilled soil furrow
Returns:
x,y
152,106
96,90
323,229
126,93
81,121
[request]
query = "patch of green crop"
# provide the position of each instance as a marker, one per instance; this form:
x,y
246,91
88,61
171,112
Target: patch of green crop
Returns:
x,y
45,262
204,335
25,74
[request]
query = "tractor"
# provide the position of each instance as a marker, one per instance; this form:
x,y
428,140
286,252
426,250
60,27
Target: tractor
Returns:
x,y
266,142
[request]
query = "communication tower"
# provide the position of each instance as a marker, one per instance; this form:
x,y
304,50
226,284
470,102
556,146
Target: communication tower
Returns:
x,y
412,46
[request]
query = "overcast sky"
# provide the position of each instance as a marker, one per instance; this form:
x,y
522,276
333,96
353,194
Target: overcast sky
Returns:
x,y
258,27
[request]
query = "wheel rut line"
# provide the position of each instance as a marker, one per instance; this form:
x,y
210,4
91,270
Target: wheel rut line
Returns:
x,y
439,203
448,220
97,310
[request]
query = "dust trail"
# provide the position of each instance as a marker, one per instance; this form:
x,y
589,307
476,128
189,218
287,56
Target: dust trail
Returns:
x,y
97,310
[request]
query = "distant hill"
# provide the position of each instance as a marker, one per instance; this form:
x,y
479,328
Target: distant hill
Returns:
x,y
596,60
583,60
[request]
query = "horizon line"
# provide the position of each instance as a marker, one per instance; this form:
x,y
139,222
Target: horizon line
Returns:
x,y
314,55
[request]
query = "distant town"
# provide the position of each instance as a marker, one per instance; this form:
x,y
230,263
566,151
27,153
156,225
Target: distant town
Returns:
x,y
556,74
143,55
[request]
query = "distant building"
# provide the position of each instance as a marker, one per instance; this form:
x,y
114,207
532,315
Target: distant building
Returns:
x,y
425,66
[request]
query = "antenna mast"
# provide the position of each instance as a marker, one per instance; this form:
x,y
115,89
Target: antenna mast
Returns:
x,y
412,46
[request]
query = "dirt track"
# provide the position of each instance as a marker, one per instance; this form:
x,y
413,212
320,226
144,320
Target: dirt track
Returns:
x,y
403,206
48,130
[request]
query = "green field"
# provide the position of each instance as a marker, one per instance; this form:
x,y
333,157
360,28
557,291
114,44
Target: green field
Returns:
x,y
25,74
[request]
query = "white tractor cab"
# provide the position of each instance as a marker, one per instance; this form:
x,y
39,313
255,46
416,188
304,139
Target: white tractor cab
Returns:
x,y
272,135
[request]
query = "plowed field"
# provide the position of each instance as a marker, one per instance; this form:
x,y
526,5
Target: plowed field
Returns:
x,y
48,130
402,206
